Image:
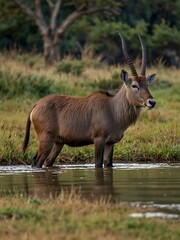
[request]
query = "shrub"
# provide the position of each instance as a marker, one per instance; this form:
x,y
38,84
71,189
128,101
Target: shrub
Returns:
x,y
109,84
75,67
16,85
161,84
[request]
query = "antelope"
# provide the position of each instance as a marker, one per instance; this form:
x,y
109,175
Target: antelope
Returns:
x,y
100,118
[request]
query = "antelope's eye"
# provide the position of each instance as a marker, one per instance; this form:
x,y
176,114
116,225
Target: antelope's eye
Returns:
x,y
135,87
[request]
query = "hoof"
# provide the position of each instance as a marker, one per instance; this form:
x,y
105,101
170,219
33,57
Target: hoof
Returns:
x,y
98,166
36,165
109,165
48,164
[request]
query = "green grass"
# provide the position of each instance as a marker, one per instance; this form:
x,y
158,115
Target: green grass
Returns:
x,y
71,217
155,137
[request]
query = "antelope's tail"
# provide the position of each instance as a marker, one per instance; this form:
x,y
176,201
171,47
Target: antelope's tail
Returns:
x,y
27,134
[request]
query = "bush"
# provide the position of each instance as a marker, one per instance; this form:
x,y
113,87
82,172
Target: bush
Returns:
x,y
17,85
74,67
161,84
109,84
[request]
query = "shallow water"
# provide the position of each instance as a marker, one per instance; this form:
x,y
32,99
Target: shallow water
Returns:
x,y
156,185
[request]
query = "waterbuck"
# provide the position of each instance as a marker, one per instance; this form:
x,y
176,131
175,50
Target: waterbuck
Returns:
x,y
98,119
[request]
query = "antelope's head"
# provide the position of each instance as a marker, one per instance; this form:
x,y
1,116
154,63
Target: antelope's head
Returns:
x,y
137,85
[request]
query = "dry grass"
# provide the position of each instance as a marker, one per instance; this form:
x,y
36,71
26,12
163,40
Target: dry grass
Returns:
x,y
155,137
71,217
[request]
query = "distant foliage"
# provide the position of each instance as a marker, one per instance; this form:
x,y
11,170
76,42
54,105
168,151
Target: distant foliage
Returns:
x,y
158,22
161,84
104,39
74,67
30,86
12,85
112,83
165,43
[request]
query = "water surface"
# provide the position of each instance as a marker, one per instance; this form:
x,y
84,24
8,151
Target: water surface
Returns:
x,y
138,184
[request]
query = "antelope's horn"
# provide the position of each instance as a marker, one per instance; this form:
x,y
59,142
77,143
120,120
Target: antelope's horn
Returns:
x,y
144,58
126,56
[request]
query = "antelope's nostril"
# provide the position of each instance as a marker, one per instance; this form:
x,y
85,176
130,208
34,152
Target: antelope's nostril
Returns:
x,y
151,103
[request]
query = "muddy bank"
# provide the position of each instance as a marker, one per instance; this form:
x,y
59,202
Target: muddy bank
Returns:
x,y
81,160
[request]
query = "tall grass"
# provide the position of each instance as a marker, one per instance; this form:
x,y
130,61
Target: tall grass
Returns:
x,y
155,137
70,217
13,85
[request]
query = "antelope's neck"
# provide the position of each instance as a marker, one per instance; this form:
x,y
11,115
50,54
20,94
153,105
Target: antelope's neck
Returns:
x,y
124,112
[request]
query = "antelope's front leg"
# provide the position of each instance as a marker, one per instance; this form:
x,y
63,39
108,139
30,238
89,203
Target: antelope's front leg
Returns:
x,y
99,143
108,155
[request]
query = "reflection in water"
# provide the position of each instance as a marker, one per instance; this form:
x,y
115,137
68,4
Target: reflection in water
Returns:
x,y
98,184
103,182
159,184
46,184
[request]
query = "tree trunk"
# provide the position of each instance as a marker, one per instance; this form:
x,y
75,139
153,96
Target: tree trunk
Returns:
x,y
51,32
51,50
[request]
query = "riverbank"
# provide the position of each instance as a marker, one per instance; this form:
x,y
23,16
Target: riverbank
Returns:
x,y
71,217
23,80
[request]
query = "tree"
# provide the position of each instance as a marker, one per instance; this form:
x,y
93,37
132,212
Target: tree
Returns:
x,y
52,26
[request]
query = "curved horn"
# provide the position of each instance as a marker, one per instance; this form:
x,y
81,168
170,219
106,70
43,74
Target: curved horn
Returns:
x,y
144,58
126,56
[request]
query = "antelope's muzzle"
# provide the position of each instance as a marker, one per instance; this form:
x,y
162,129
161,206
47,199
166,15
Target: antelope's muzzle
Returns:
x,y
150,104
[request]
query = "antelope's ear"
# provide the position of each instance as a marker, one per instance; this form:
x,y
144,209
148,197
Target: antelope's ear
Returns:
x,y
151,77
124,76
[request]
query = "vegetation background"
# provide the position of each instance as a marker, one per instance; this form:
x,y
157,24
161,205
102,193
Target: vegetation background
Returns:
x,y
90,60
158,22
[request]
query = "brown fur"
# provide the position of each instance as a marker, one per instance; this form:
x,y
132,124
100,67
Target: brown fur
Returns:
x,y
98,119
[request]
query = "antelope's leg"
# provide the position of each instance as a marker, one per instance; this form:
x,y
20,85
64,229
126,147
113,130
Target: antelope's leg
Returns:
x,y
108,155
34,159
53,154
99,151
45,147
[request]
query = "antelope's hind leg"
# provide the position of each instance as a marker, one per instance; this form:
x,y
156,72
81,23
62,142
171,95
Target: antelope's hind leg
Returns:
x,y
45,147
53,154
34,160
